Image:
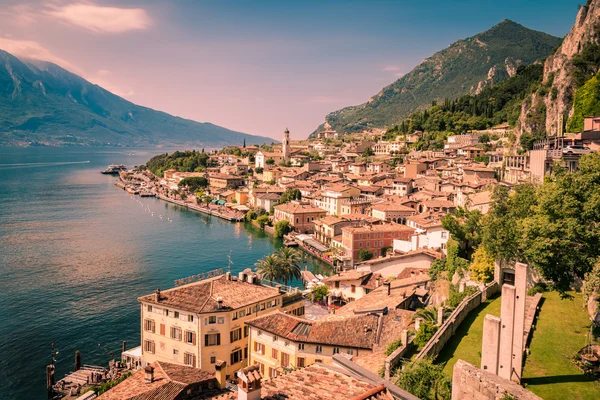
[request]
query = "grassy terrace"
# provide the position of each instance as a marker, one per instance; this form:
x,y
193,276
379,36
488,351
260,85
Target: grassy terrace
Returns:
x,y
561,331
466,343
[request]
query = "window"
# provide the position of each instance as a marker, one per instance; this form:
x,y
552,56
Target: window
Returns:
x,y
149,325
190,318
368,244
242,313
262,307
337,284
261,366
234,316
212,319
300,346
236,356
298,311
353,288
249,311
360,244
275,338
176,314
246,330
235,335
319,349
189,359
285,360
259,348
220,320
318,360
166,312
149,346
163,329
175,352
350,351
274,354
272,372
213,359
300,363
444,234
175,333
149,308
246,352
336,350
213,339
190,337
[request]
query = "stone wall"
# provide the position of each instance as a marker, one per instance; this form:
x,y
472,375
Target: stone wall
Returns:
x,y
449,327
394,359
472,383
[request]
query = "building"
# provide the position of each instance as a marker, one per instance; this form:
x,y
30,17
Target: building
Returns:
x,y
225,181
458,141
261,157
373,238
300,216
391,211
199,323
328,227
352,285
333,196
357,206
471,152
285,145
281,342
267,200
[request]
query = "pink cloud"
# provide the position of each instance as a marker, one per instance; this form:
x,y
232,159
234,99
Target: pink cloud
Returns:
x,y
33,49
101,19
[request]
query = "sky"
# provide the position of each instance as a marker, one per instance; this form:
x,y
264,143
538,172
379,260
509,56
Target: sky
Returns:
x,y
255,66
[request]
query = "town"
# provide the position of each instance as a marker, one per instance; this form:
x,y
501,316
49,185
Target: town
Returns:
x,y
386,218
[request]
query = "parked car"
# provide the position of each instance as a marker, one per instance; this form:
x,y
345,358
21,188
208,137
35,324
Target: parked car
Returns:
x,y
576,149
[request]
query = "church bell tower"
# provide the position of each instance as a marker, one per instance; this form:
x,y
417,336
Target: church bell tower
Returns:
x,y
285,145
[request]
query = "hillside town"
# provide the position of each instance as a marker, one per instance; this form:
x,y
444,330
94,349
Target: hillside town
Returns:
x,y
377,212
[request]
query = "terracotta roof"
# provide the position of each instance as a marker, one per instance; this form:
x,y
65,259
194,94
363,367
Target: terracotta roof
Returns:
x,y
349,332
201,297
169,381
351,275
295,208
391,206
377,228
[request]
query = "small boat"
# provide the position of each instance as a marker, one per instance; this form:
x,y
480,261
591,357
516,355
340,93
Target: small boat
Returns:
x,y
114,169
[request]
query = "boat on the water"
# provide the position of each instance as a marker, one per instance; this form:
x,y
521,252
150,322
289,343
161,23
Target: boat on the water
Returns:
x,y
114,169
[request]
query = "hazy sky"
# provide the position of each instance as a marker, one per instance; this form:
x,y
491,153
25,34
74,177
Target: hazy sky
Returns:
x,y
255,66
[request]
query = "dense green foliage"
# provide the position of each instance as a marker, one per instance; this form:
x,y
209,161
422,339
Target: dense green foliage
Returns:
x,y
319,292
282,228
42,102
464,228
552,227
193,183
448,74
183,161
365,255
425,380
289,195
586,103
263,220
393,346
106,386
495,105
455,297
426,330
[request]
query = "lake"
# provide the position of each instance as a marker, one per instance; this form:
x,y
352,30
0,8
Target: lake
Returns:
x,y
76,252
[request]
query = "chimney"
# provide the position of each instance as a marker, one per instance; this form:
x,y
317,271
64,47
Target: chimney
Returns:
x,y
389,287
149,374
228,275
221,373
219,303
249,383
157,295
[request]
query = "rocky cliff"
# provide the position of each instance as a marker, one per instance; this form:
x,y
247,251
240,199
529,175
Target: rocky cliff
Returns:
x,y
541,112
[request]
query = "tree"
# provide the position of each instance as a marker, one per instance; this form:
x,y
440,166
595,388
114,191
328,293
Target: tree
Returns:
x,y
244,145
289,195
282,228
262,221
464,226
269,161
425,380
425,332
485,138
368,152
319,292
289,264
193,183
365,255
251,215
268,268
482,267
428,314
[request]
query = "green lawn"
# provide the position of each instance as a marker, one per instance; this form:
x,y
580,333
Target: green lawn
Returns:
x,y
466,342
561,331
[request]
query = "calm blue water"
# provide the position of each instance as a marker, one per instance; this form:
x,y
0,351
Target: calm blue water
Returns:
x,y
76,252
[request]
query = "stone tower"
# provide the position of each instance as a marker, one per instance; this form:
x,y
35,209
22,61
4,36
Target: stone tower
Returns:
x,y
285,145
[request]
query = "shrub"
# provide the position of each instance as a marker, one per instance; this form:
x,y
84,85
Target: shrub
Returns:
x,y
319,292
365,255
425,332
262,221
282,228
482,267
251,215
392,347
425,380
539,287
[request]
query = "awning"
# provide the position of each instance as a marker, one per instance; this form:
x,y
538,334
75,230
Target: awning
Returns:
x,y
221,202
318,246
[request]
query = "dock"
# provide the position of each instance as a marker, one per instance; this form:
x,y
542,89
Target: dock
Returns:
x,y
203,210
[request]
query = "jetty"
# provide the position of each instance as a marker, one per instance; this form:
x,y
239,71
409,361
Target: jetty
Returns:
x,y
203,210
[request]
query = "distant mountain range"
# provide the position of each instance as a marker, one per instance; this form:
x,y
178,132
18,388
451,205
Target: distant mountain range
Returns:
x,y
466,67
42,103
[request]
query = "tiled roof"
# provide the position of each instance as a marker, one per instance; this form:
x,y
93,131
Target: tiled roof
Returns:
x,y
357,332
169,381
295,208
201,297
351,275
392,206
377,228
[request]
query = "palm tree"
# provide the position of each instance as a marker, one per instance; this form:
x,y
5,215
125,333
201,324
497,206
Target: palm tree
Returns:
x,y
269,268
430,314
289,261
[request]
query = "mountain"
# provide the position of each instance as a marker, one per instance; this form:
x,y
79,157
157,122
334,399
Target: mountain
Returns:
x,y
570,87
42,103
466,67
